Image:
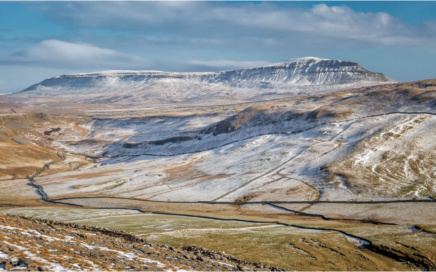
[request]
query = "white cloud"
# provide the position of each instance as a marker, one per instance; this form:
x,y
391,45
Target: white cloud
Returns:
x,y
55,53
338,22
228,21
67,55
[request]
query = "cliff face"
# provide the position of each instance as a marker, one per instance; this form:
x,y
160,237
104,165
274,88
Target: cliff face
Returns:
x,y
304,71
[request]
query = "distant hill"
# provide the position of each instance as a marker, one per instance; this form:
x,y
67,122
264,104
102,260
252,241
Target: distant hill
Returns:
x,y
289,78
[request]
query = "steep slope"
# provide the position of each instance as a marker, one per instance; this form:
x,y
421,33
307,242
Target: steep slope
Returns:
x,y
41,245
309,71
297,76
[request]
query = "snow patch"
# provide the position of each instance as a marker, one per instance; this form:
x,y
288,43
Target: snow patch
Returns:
x,y
356,241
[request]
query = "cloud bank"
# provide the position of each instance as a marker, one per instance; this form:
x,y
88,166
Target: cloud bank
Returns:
x,y
224,22
53,53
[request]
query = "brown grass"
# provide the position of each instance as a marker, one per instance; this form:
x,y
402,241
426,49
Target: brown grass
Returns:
x,y
19,161
281,247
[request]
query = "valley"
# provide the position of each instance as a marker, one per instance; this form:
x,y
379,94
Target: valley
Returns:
x,y
337,178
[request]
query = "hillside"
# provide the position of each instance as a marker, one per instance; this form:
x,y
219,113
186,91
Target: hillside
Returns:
x,y
371,143
45,245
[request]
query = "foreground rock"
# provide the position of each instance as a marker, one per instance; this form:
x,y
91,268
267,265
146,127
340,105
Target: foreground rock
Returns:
x,y
42,245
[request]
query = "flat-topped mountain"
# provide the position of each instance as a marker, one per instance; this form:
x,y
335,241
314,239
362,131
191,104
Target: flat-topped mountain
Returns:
x,y
289,78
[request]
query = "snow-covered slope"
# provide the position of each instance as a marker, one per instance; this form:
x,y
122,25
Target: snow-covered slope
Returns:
x,y
297,76
373,143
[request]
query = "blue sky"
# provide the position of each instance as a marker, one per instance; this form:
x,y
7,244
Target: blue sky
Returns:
x,y
44,39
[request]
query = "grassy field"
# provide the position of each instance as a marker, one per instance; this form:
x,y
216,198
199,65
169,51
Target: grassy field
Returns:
x,y
127,220
155,222
282,246
65,213
274,244
286,247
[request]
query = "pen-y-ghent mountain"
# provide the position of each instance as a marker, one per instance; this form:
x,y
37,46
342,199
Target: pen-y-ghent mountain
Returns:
x,y
307,164
289,78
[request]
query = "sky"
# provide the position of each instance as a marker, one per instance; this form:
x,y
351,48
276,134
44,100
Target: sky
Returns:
x,y
39,40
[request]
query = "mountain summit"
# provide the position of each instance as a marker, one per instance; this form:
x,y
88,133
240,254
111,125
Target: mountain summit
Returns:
x,y
307,75
300,72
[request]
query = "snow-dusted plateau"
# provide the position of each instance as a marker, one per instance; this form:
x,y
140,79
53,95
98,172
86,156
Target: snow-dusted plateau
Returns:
x,y
291,151
146,88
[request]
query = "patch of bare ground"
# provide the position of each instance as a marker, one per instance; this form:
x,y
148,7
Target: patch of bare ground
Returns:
x,y
426,228
187,171
20,161
38,244
26,144
244,199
